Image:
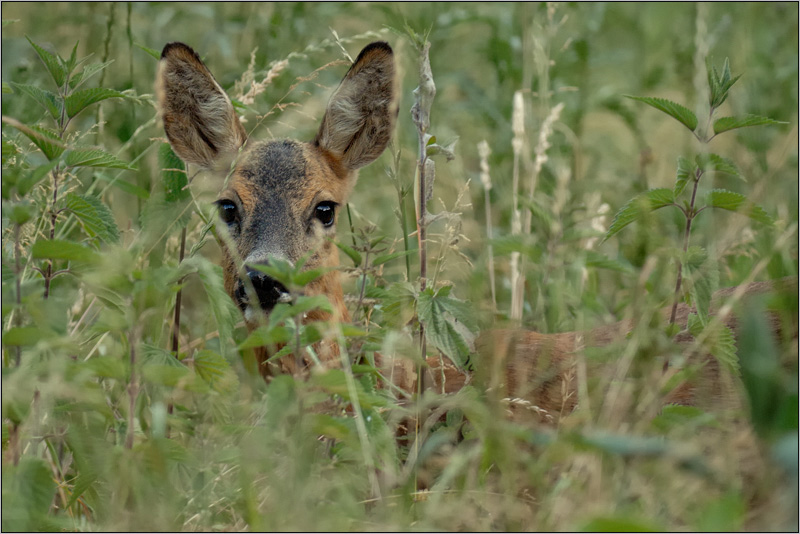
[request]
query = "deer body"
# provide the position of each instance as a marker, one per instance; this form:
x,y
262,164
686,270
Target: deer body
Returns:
x,y
282,201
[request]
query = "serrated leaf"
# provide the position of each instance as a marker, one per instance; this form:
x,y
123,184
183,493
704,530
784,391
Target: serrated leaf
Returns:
x,y
721,343
87,72
435,314
28,181
684,174
93,157
639,206
214,370
22,336
266,336
49,101
155,54
173,174
62,250
51,62
673,109
47,140
225,312
94,216
80,100
724,124
351,253
703,276
28,494
728,200
596,260
715,163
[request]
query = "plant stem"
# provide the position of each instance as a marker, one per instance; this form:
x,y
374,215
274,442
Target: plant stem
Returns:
x,y
18,284
690,214
133,392
48,276
177,321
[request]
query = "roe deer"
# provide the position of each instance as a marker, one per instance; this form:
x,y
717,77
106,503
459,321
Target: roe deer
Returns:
x,y
283,199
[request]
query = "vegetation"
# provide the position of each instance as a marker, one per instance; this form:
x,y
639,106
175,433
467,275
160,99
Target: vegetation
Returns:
x,y
130,399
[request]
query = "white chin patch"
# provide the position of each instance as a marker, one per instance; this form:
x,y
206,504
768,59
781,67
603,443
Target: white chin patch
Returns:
x,y
249,315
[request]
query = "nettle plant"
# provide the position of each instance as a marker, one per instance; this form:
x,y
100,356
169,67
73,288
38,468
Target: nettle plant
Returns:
x,y
695,260
59,155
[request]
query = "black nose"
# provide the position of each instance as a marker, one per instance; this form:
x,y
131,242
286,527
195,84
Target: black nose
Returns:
x,y
268,290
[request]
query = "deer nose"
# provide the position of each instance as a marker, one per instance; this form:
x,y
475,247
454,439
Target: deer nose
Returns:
x,y
268,290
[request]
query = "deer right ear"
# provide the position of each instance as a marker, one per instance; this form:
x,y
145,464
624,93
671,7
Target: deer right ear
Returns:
x,y
198,116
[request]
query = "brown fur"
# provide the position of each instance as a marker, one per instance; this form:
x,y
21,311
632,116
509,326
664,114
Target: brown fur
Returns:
x,y
276,185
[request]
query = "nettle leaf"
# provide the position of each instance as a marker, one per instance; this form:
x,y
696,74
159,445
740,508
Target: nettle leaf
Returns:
x,y
440,315
92,157
715,163
49,101
29,181
62,250
94,216
721,342
80,100
225,312
173,174
383,258
685,173
351,253
88,71
46,140
728,200
155,54
640,206
673,109
724,124
30,491
215,371
704,277
54,66
596,260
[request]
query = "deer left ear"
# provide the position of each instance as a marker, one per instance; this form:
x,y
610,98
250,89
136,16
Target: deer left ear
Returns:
x,y
360,117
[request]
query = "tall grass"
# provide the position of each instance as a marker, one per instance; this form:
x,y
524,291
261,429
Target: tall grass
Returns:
x,y
104,428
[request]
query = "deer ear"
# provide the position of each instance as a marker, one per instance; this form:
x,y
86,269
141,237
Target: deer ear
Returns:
x,y
360,117
198,116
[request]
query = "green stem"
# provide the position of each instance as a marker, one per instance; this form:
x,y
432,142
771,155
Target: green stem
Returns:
x,y
690,215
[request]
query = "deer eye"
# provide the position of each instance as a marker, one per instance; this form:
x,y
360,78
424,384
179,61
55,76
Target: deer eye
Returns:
x,y
324,212
228,212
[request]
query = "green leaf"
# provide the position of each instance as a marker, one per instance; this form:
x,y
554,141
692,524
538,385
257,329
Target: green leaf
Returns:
x,y
351,253
436,314
88,71
728,200
28,181
50,102
62,250
153,53
673,109
7,89
703,275
639,206
596,260
380,260
215,371
94,216
225,312
715,163
334,381
47,140
23,336
93,157
80,100
28,490
54,66
266,336
685,173
173,174
721,342
724,124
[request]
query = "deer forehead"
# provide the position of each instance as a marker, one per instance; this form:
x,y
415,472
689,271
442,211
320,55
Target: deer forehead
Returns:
x,y
299,174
